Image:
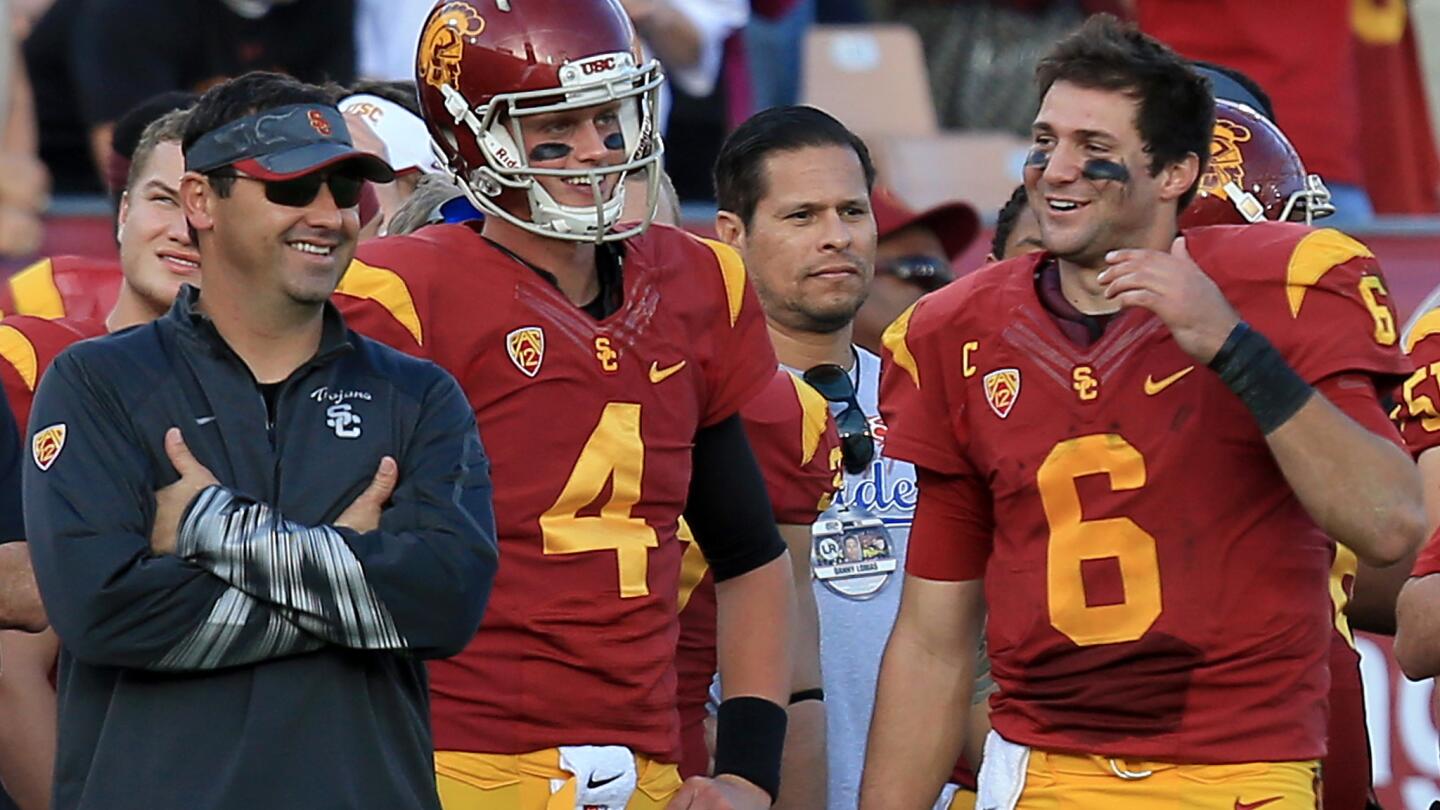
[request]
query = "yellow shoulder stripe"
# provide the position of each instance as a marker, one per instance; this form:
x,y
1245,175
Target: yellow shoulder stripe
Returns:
x,y
815,410
386,288
1346,563
34,292
732,267
20,353
1427,325
1313,257
894,341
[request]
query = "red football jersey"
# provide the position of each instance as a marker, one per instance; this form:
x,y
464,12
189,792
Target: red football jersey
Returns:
x,y
1316,99
79,287
589,427
27,347
1155,588
795,443
1427,562
1419,412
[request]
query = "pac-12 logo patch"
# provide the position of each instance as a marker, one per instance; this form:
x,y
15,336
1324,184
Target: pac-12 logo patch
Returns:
x,y
526,347
1002,388
47,444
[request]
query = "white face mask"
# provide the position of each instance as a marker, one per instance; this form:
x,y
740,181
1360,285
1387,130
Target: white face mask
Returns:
x,y
253,9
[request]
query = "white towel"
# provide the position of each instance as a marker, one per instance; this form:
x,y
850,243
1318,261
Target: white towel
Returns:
x,y
1002,773
605,776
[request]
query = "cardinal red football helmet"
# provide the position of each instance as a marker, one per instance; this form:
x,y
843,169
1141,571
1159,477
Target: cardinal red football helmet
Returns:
x,y
1254,175
482,65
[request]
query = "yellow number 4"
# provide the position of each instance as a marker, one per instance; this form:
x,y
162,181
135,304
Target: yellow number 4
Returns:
x,y
614,453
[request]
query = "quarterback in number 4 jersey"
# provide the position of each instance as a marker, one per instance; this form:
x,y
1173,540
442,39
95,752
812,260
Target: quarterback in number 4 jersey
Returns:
x,y
588,425
607,365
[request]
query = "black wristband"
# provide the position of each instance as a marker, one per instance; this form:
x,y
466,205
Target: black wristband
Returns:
x,y
807,694
1258,374
749,739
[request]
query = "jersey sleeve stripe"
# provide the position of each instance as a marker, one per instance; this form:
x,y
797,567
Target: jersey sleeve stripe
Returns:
x,y
894,341
19,352
34,292
1313,257
386,288
812,426
1346,564
1427,325
732,267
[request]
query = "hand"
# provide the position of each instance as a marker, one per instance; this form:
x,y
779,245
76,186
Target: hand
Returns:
x,y
172,501
1181,295
363,514
724,792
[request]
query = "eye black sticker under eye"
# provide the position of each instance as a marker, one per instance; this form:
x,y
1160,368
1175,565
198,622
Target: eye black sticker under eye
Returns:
x,y
1100,169
615,141
1037,159
549,151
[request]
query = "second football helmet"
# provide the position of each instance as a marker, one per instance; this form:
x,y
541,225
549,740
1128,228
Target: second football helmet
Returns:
x,y
1254,175
483,65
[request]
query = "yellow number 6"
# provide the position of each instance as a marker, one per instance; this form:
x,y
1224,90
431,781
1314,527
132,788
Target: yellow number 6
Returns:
x,y
1074,540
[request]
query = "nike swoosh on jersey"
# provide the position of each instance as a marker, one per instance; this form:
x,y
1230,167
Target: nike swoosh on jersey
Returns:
x,y
204,420
1239,805
1153,386
659,375
593,783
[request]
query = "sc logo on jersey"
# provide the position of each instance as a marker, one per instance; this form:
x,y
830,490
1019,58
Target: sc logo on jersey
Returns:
x,y
343,420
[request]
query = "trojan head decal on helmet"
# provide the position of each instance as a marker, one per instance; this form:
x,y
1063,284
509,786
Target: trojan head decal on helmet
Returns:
x,y
483,66
1254,175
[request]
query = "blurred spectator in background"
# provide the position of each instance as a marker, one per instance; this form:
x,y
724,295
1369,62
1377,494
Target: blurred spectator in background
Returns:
x,y
95,59
24,184
981,54
688,37
773,46
1397,143
915,255
1017,231
83,287
698,42
1309,69
384,118
387,34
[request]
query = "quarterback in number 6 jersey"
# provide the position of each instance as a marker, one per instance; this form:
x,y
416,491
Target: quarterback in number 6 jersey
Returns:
x,y
1134,492
1140,446
607,364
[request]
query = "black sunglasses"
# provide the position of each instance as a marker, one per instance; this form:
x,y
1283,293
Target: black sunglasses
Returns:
x,y
298,192
929,273
857,445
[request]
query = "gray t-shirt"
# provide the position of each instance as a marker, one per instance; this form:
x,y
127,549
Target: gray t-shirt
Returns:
x,y
858,609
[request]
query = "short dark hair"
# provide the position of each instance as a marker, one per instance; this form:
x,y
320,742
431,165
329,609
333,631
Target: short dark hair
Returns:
x,y
739,170
242,96
1176,111
1005,220
1249,85
168,128
399,91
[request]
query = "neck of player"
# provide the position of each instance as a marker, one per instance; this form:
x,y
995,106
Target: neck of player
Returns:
x,y
803,350
1079,276
271,332
131,309
572,263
